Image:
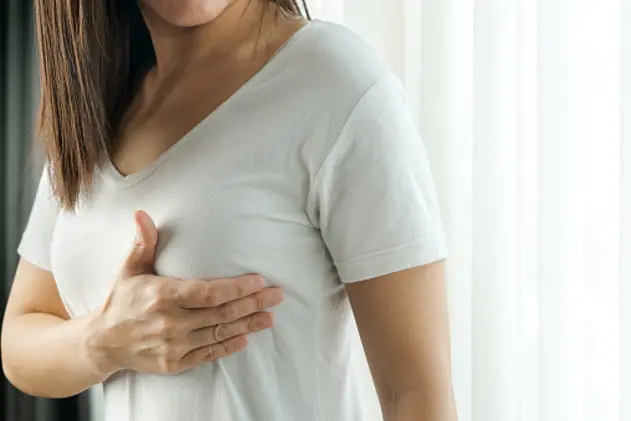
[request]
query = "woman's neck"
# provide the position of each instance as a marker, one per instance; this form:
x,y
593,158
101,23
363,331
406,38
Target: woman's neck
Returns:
x,y
232,32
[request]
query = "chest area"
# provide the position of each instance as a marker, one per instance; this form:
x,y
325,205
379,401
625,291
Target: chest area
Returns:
x,y
159,117
252,223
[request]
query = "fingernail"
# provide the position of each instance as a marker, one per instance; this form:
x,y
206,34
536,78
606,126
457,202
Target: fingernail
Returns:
x,y
257,281
138,236
279,295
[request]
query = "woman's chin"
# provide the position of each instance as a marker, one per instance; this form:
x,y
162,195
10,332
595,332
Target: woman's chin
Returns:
x,y
186,13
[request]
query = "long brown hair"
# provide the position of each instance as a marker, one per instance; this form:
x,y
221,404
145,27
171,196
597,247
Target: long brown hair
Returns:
x,y
93,54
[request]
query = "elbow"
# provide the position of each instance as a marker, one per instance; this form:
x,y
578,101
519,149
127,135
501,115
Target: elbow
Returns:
x,y
12,377
15,380
10,373
420,403
11,370
7,370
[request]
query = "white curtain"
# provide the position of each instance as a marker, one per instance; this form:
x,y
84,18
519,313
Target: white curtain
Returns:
x,y
524,107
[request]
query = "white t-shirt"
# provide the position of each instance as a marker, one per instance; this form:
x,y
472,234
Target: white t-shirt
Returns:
x,y
312,175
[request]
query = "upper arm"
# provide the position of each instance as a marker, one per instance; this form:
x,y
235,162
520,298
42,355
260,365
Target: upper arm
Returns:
x,y
34,288
378,213
403,324
34,291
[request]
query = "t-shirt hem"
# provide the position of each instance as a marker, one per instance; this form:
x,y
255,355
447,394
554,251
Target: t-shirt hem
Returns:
x,y
390,261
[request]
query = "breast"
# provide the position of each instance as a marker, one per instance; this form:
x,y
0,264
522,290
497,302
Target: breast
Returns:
x,y
243,224
232,225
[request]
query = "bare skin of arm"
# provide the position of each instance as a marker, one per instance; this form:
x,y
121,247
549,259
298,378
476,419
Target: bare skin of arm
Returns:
x,y
148,323
40,345
403,323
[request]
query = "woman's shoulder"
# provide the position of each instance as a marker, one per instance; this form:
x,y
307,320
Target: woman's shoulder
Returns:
x,y
333,57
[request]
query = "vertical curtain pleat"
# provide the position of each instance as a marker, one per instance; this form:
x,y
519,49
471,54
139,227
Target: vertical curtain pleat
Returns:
x,y
579,210
561,217
527,205
624,301
495,287
600,184
326,9
446,103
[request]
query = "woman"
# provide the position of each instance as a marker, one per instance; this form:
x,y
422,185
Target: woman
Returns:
x,y
270,155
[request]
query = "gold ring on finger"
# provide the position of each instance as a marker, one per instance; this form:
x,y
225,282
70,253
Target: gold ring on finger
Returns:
x,y
217,333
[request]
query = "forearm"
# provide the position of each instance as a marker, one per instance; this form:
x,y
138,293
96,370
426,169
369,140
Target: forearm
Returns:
x,y
416,405
44,355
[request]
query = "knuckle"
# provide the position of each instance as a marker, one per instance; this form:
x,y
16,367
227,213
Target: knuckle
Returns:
x,y
166,327
240,289
153,287
184,296
158,299
234,345
145,280
253,323
155,304
245,325
242,328
260,303
167,365
211,354
227,312
211,296
172,356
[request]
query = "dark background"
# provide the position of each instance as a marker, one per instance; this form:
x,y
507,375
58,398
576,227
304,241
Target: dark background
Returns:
x,y
20,167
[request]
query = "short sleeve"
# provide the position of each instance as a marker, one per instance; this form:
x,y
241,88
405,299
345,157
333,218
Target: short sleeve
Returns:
x,y
36,238
374,198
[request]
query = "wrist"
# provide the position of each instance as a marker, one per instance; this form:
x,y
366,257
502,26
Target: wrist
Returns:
x,y
94,348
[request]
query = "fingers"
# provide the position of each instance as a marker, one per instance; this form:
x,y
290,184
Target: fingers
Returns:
x,y
219,333
213,352
141,257
235,310
214,342
202,294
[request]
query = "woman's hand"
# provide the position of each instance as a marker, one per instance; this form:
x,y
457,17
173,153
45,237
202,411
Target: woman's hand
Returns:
x,y
159,324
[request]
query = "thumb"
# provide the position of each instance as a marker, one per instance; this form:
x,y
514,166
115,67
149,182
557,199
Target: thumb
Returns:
x,y
141,257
